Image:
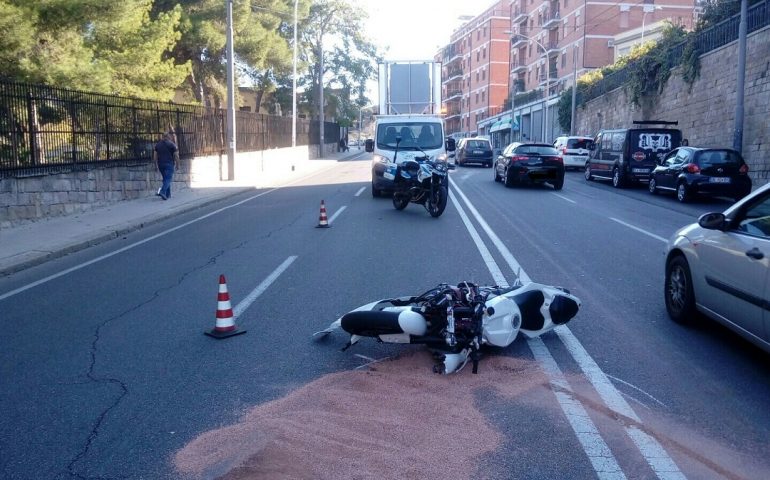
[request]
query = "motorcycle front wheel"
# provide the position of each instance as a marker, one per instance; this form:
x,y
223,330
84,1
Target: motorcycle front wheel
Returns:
x,y
400,201
437,205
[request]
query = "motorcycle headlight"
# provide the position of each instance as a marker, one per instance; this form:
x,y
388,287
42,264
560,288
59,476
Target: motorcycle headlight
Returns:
x,y
442,158
380,159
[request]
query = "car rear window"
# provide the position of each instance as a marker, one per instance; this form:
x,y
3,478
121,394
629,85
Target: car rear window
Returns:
x,y
576,143
713,158
479,144
536,150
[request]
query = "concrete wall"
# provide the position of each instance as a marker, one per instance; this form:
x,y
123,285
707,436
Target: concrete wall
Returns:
x,y
706,113
32,198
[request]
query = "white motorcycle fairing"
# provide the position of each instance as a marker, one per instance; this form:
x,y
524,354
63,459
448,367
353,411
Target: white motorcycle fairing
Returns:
x,y
454,321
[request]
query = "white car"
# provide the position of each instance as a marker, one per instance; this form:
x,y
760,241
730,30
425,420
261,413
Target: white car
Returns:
x,y
573,150
720,267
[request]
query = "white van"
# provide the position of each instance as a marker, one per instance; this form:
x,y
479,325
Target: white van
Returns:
x,y
415,135
573,150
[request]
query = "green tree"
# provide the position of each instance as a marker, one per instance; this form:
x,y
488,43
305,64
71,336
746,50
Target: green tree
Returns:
x,y
349,58
259,40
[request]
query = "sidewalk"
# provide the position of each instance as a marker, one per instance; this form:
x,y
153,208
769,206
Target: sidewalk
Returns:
x,y
34,243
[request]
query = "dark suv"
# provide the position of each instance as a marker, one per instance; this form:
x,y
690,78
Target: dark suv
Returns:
x,y
630,154
474,150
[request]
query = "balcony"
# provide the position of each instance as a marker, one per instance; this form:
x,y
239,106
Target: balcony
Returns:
x,y
553,76
551,20
519,39
452,74
519,15
453,95
518,67
551,48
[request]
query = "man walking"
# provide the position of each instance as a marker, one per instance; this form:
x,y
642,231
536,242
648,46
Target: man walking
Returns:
x,y
166,155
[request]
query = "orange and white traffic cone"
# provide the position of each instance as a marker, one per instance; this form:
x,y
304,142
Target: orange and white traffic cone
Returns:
x,y
225,323
322,222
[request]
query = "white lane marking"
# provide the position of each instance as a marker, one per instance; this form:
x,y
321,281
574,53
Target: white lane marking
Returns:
x,y
370,361
656,237
337,213
637,389
497,275
597,450
360,191
599,454
141,242
565,198
246,302
522,275
655,455
465,177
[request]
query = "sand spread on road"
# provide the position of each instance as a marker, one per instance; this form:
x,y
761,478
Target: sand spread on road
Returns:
x,y
395,420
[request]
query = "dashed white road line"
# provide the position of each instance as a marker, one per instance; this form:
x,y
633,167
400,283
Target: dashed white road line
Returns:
x,y
565,198
653,452
359,192
251,297
337,213
656,237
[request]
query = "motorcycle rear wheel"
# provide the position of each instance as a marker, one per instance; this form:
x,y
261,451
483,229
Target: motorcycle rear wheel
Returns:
x,y
437,208
400,201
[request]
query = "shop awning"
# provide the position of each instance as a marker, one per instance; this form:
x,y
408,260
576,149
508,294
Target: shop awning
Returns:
x,y
495,127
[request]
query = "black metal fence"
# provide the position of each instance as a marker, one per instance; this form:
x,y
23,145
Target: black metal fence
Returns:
x,y
49,130
705,41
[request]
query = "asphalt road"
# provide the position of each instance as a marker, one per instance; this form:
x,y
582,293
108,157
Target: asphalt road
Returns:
x,y
106,372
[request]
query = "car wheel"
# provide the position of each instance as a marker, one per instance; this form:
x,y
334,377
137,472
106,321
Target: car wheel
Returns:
x,y
652,186
376,192
558,184
678,292
617,181
682,193
507,178
587,172
400,201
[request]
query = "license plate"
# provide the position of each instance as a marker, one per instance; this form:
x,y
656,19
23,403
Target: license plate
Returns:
x,y
640,170
389,173
478,152
719,180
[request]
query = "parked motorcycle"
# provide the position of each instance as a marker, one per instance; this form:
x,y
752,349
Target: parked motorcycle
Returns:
x,y
455,321
422,180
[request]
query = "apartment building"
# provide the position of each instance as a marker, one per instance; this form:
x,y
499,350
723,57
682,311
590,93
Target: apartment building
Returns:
x,y
547,43
475,70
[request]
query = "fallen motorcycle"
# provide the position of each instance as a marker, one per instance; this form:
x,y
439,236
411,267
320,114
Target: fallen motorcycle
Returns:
x,y
455,321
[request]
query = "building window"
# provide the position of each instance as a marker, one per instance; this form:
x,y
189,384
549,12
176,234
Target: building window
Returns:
x,y
530,50
485,32
484,52
477,76
563,61
478,34
565,3
483,96
477,56
477,97
483,74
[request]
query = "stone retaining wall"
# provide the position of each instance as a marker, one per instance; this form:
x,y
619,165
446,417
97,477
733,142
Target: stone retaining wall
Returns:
x,y
32,198
705,112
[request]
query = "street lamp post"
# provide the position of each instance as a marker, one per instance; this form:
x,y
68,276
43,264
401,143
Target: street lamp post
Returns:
x,y
648,9
547,84
230,94
294,84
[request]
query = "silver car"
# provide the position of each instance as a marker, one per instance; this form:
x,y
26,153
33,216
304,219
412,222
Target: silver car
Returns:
x,y
720,267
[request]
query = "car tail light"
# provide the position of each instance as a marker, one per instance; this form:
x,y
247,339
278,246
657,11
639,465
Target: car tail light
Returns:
x,y
556,159
519,158
692,168
744,169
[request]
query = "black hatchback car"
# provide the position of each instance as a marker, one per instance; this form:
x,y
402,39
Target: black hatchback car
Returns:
x,y
690,171
530,163
474,150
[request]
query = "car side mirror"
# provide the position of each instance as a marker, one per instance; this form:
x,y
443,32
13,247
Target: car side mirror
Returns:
x,y
712,221
451,146
369,145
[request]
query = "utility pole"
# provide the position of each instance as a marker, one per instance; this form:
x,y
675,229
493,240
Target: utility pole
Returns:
x,y
572,128
740,84
321,96
294,84
230,94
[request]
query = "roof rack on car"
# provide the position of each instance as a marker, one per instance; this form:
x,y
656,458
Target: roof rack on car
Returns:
x,y
654,122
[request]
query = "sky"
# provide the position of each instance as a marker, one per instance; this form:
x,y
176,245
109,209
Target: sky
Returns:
x,y
416,29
